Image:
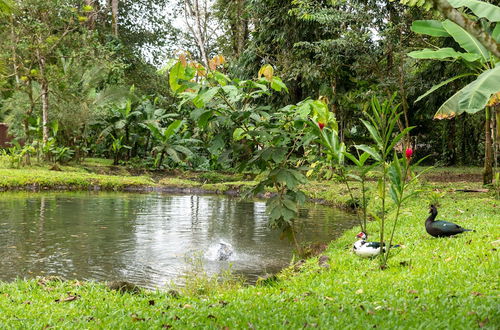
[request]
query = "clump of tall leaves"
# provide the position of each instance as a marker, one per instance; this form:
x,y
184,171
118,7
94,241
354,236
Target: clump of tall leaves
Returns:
x,y
235,114
395,175
325,127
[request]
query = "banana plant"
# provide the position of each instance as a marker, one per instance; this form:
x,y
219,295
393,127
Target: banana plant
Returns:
x,y
167,143
475,96
478,94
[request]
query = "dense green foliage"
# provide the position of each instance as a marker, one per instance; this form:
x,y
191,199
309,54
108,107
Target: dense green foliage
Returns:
x,y
72,87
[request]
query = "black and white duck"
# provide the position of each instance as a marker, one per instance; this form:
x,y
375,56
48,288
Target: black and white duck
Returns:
x,y
441,228
366,249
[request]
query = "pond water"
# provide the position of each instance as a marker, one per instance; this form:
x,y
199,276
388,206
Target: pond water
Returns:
x,y
146,239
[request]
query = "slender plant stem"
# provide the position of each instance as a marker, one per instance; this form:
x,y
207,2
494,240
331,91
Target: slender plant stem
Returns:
x,y
384,179
363,228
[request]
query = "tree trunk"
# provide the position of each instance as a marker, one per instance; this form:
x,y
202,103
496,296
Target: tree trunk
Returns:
x,y
114,15
239,28
45,110
44,84
14,40
496,130
198,26
488,149
91,15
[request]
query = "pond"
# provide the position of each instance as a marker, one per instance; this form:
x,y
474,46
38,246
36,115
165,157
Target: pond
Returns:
x,y
146,239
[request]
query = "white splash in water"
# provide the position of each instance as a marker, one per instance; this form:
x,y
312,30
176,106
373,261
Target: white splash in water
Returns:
x,y
221,251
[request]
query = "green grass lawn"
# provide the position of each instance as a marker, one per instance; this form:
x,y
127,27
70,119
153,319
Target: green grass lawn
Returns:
x,y
431,283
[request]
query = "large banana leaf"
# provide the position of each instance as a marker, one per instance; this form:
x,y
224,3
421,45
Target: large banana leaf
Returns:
x,y
496,32
473,97
429,27
441,84
449,109
476,95
479,8
466,40
443,53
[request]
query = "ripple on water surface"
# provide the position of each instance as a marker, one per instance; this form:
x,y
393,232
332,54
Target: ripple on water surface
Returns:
x,y
146,238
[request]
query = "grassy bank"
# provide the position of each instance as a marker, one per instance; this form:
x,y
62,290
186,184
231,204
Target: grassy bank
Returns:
x,y
430,283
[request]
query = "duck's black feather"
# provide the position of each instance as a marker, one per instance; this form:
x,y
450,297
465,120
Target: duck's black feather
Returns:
x,y
441,228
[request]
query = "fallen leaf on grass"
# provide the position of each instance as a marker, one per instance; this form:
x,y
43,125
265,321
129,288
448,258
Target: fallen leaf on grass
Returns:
x,y
136,318
475,293
413,291
187,306
483,322
27,302
360,291
329,298
67,299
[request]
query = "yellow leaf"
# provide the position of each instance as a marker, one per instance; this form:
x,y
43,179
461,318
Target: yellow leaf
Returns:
x,y
182,59
267,71
360,291
494,100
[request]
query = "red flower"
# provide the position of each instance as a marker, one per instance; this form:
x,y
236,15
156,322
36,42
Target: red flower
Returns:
x,y
321,125
409,153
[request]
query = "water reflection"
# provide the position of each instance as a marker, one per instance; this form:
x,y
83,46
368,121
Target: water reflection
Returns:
x,y
144,238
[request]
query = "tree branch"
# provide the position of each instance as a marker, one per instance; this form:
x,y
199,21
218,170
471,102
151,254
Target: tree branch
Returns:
x,y
469,25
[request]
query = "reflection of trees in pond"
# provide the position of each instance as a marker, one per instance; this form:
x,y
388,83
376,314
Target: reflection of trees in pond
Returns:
x,y
139,238
43,227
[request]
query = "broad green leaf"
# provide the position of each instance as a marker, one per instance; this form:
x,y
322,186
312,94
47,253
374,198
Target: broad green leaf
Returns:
x,y
479,8
172,128
466,40
370,151
291,205
354,159
429,27
476,95
176,73
238,134
278,85
287,178
173,155
205,96
221,78
443,53
355,177
279,155
374,134
205,118
435,87
449,109
496,32
184,150
394,194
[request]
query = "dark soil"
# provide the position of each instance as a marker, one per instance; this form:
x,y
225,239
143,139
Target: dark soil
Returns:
x,y
454,177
